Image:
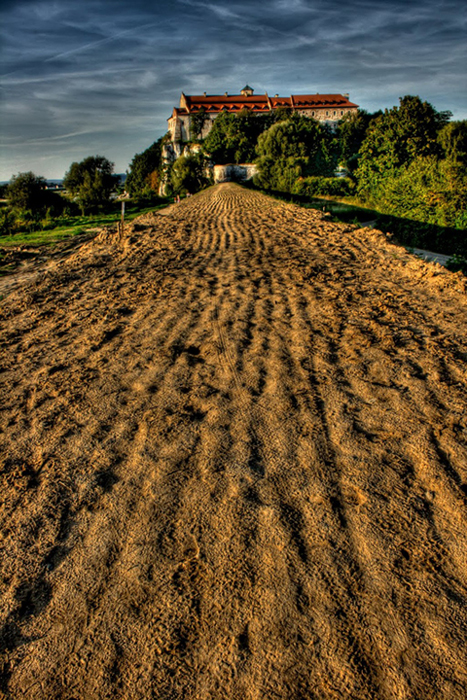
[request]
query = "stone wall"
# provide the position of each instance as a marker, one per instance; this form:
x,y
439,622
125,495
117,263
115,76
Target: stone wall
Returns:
x,y
234,173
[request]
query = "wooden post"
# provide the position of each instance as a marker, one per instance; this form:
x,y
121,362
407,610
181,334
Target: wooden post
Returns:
x,y
123,218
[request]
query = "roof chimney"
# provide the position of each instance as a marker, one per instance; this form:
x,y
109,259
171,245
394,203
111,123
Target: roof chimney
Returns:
x,y
204,94
345,94
226,94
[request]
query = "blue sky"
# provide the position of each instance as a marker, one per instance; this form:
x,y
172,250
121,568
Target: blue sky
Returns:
x,y
87,77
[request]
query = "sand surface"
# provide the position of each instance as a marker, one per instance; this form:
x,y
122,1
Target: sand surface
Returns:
x,y
233,463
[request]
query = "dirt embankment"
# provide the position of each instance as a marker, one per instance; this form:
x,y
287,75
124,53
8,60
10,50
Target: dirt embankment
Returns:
x,y
234,464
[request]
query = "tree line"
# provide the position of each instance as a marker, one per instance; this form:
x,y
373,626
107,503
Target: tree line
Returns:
x,y
409,162
89,187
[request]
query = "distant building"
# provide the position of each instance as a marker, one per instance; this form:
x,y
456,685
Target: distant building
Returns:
x,y
323,108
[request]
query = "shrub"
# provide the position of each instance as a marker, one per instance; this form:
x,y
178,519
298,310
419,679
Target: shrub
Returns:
x,y
7,222
316,186
456,263
428,190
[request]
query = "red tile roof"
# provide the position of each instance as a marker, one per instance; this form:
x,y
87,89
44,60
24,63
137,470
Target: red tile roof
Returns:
x,y
321,101
259,103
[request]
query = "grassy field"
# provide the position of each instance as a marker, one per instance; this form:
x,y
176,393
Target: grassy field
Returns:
x,y
67,227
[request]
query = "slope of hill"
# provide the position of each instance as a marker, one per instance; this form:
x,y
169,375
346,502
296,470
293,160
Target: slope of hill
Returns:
x,y
234,464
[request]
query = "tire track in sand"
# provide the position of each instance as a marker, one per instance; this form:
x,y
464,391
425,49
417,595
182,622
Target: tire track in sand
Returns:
x,y
233,448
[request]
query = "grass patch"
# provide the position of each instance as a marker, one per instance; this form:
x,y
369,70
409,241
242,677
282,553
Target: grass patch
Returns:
x,y
6,269
67,227
341,210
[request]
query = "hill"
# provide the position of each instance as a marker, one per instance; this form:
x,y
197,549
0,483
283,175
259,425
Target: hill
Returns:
x,y
233,457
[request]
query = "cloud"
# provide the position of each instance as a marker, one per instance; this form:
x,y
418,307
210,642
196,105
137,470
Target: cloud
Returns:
x,y
95,44
49,139
83,77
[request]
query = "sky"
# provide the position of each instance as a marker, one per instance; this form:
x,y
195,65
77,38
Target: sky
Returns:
x,y
101,77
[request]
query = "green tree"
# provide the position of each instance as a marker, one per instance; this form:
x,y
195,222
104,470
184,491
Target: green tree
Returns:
x,y
225,141
144,175
453,140
26,192
280,114
91,182
30,201
429,190
188,174
396,138
197,121
233,137
351,132
294,148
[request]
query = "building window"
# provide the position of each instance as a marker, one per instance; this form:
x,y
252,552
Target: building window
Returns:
x,y
342,112
334,112
327,114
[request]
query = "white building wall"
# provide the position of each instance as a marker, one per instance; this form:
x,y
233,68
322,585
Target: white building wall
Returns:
x,y
233,172
179,126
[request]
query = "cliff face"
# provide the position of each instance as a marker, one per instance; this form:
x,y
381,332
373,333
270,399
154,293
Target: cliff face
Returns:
x,y
170,152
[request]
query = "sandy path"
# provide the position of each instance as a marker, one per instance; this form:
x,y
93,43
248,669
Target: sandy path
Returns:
x,y
234,464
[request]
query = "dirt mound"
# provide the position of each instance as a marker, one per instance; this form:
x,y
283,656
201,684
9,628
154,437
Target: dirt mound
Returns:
x,y
234,464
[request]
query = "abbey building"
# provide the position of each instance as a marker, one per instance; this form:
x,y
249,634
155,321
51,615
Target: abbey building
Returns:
x,y
196,113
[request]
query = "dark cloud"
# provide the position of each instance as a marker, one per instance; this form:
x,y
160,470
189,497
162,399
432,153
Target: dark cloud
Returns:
x,y
102,76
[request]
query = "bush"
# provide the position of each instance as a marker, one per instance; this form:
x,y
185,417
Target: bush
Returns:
x,y
427,190
54,205
316,186
456,263
279,174
7,222
147,198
